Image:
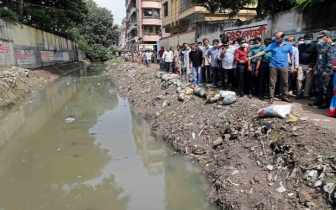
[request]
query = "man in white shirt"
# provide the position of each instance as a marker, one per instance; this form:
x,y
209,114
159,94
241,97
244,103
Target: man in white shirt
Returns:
x,y
149,58
167,58
184,58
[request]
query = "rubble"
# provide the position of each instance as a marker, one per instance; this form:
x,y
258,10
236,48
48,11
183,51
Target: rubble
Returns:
x,y
251,162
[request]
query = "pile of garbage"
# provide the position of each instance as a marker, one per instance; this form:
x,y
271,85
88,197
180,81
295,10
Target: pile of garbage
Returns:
x,y
256,156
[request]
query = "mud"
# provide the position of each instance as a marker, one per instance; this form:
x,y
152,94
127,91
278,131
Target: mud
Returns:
x,y
16,84
251,162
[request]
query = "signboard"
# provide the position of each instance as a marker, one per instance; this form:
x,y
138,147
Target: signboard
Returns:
x,y
8,56
58,56
65,56
51,47
20,56
247,33
47,56
45,41
30,56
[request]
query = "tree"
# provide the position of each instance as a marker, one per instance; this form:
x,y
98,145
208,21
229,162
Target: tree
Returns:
x,y
318,8
262,7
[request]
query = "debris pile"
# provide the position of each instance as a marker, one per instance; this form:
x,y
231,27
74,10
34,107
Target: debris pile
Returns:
x,y
279,162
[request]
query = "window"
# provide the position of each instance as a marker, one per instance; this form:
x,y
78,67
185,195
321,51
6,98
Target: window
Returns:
x,y
165,9
148,29
147,12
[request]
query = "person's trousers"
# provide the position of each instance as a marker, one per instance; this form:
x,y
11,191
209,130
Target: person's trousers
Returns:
x,y
214,76
149,62
197,74
240,77
263,78
251,78
227,76
283,72
324,86
304,75
168,66
161,64
207,73
290,75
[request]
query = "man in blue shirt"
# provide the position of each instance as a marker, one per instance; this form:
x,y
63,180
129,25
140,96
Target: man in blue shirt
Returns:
x,y
213,53
279,64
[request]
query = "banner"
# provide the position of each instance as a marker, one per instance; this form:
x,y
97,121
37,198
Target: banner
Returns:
x,y
20,56
247,33
47,56
65,56
58,56
45,41
30,56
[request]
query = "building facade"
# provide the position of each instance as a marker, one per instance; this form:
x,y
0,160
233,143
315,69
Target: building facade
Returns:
x,y
143,24
179,18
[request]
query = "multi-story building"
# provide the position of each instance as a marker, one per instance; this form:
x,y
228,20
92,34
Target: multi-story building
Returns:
x,y
180,16
122,34
143,24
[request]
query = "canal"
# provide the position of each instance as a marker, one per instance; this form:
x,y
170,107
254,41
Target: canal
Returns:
x,y
105,159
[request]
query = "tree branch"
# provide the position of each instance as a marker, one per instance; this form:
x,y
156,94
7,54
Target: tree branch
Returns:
x,y
248,8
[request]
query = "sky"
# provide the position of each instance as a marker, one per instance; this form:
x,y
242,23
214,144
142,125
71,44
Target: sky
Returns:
x,y
116,6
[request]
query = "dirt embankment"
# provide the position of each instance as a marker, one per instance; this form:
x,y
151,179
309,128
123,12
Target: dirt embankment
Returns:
x,y
16,84
258,163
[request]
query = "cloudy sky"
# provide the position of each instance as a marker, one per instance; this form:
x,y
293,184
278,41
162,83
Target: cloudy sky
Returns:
x,y
116,6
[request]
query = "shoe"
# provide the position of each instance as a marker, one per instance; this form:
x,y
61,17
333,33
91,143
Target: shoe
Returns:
x,y
250,96
270,101
280,97
241,95
287,100
262,98
298,96
323,106
317,102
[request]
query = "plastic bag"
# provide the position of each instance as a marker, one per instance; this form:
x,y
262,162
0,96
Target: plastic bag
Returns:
x,y
214,98
275,111
225,93
229,100
181,96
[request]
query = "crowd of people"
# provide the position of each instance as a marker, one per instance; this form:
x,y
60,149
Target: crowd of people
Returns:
x,y
146,57
265,68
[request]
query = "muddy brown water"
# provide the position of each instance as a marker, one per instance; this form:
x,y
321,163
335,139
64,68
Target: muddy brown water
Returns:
x,y
108,158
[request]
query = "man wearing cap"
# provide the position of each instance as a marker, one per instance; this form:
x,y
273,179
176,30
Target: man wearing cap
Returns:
x,y
324,72
279,64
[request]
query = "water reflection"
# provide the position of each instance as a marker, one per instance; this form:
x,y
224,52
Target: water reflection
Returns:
x,y
109,160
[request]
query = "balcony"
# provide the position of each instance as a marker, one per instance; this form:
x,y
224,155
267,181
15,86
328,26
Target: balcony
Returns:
x,y
152,21
151,37
151,4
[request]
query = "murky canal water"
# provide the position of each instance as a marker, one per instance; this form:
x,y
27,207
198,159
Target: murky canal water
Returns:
x,y
108,158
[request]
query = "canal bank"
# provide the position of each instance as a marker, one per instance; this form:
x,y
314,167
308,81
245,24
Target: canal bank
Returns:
x,y
106,158
16,84
251,162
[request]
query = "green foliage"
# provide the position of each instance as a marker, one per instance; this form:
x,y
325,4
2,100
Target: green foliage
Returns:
x,y
318,8
263,7
12,16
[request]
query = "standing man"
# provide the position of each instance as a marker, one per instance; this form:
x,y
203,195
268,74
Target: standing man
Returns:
x,y
160,58
307,59
213,53
195,57
241,58
227,56
173,62
251,75
176,58
324,72
262,69
149,58
291,40
206,66
167,58
184,55
279,64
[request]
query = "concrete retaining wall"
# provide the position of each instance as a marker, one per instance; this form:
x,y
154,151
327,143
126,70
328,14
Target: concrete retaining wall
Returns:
x,y
29,47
